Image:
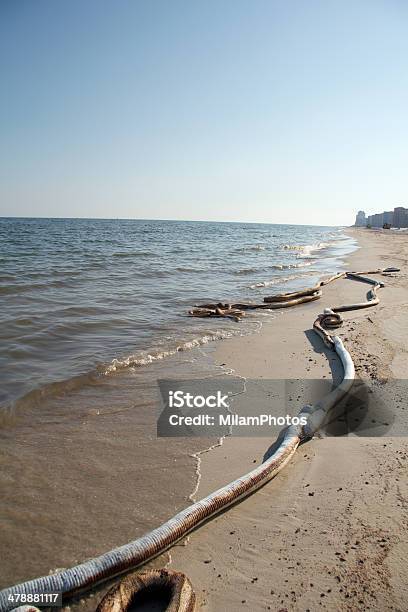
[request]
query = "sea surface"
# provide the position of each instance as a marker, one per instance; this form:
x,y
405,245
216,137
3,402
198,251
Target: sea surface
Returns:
x,y
86,298
92,313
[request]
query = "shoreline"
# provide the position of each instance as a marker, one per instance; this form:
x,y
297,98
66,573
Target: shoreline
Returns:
x,y
217,357
161,348
83,435
261,552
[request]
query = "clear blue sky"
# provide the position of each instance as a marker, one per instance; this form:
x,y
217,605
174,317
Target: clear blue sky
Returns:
x,y
289,111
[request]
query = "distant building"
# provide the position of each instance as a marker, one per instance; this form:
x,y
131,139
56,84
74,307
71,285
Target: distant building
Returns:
x,y
394,218
377,220
400,218
361,220
388,217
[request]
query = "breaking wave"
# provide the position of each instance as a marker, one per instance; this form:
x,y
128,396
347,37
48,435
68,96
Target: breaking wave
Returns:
x,y
291,266
253,247
96,375
279,266
305,250
147,357
244,271
278,280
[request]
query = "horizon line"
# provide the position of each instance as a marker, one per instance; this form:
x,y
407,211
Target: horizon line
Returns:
x,y
171,220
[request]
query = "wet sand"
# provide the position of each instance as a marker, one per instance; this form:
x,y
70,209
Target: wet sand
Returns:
x,y
330,531
84,472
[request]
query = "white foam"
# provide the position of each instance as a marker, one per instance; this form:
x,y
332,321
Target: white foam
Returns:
x,y
146,358
306,250
252,247
279,280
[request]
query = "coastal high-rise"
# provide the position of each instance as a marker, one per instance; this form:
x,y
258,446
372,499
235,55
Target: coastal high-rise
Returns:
x,y
394,218
388,217
361,220
400,218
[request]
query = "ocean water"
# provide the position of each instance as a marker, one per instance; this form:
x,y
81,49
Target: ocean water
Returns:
x,y
93,312
84,298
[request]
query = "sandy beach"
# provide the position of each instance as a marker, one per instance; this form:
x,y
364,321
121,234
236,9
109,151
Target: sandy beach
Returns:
x,y
330,531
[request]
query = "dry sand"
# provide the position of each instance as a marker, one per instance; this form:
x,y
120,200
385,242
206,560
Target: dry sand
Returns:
x,y
330,531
